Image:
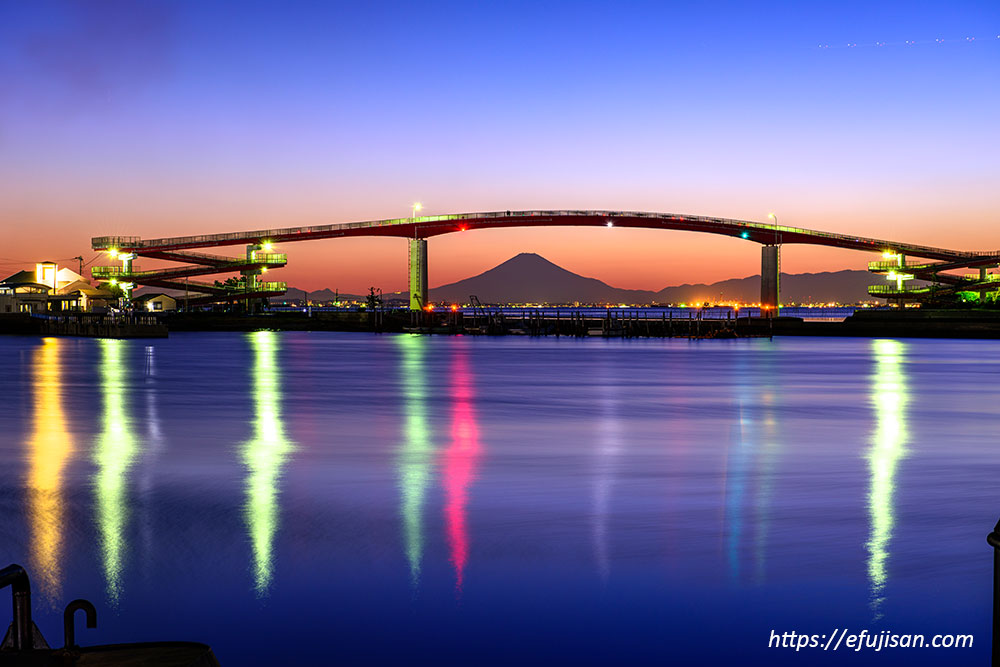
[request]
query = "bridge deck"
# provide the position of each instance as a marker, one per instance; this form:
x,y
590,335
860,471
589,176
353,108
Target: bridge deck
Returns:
x,y
427,226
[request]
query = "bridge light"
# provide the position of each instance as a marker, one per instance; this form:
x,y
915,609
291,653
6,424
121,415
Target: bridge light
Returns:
x,y
263,269
610,224
417,207
772,216
745,235
113,253
266,246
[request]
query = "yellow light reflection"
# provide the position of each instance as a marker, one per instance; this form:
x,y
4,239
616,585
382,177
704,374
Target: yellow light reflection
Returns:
x,y
414,462
264,455
114,452
889,399
50,448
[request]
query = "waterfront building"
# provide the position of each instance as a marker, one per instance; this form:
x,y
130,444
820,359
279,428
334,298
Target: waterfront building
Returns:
x,y
50,289
155,302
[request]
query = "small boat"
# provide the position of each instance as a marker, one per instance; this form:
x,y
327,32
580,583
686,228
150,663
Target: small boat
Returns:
x,y
24,644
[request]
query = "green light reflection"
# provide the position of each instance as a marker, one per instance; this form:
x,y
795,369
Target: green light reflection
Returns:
x,y
264,455
415,453
889,398
114,452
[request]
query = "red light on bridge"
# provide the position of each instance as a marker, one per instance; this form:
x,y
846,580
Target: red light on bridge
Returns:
x,y
462,228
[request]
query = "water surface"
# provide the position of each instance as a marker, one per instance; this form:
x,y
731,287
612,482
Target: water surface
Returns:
x,y
456,500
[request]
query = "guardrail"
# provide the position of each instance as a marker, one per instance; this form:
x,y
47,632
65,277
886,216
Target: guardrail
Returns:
x,y
106,271
121,318
108,242
892,289
270,258
883,267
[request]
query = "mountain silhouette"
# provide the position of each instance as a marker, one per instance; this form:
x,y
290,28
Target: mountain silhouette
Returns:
x,y
530,278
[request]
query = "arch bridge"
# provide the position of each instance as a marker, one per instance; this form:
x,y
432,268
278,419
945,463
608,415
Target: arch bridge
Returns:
x,y
932,264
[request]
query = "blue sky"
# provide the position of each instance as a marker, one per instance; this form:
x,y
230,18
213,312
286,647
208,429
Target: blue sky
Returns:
x,y
187,117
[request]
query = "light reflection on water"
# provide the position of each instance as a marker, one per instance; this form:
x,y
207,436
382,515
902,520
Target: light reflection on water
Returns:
x,y
114,453
437,482
889,398
51,447
460,460
414,461
264,456
608,448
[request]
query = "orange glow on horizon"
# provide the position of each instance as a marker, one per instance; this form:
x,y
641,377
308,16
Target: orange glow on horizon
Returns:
x,y
629,258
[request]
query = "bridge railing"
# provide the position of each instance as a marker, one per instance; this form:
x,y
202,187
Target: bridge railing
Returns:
x,y
892,289
882,267
193,256
270,258
108,242
289,233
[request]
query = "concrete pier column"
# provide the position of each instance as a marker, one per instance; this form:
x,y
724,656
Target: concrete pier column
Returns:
x,y
418,274
770,275
126,283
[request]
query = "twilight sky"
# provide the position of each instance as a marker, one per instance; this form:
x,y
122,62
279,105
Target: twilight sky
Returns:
x,y
183,117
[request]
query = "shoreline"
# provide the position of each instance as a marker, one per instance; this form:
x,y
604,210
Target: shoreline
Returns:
x,y
978,324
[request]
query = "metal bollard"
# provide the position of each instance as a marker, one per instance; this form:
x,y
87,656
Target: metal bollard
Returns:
x,y
994,541
15,577
69,629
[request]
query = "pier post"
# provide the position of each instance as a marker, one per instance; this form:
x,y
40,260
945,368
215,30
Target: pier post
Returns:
x,y
770,275
993,539
418,274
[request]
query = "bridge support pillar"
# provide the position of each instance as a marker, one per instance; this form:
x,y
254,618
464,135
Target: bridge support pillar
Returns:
x,y
770,276
250,277
418,274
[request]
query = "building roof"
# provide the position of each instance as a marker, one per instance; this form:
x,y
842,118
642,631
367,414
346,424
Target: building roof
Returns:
x,y
150,296
21,278
84,287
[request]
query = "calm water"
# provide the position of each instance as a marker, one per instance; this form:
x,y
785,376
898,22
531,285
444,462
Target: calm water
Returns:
x,y
407,500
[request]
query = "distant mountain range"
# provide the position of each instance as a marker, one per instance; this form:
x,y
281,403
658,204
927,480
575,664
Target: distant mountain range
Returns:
x,y
530,278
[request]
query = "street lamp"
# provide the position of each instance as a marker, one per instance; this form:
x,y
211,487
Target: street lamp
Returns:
x,y
773,217
417,206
